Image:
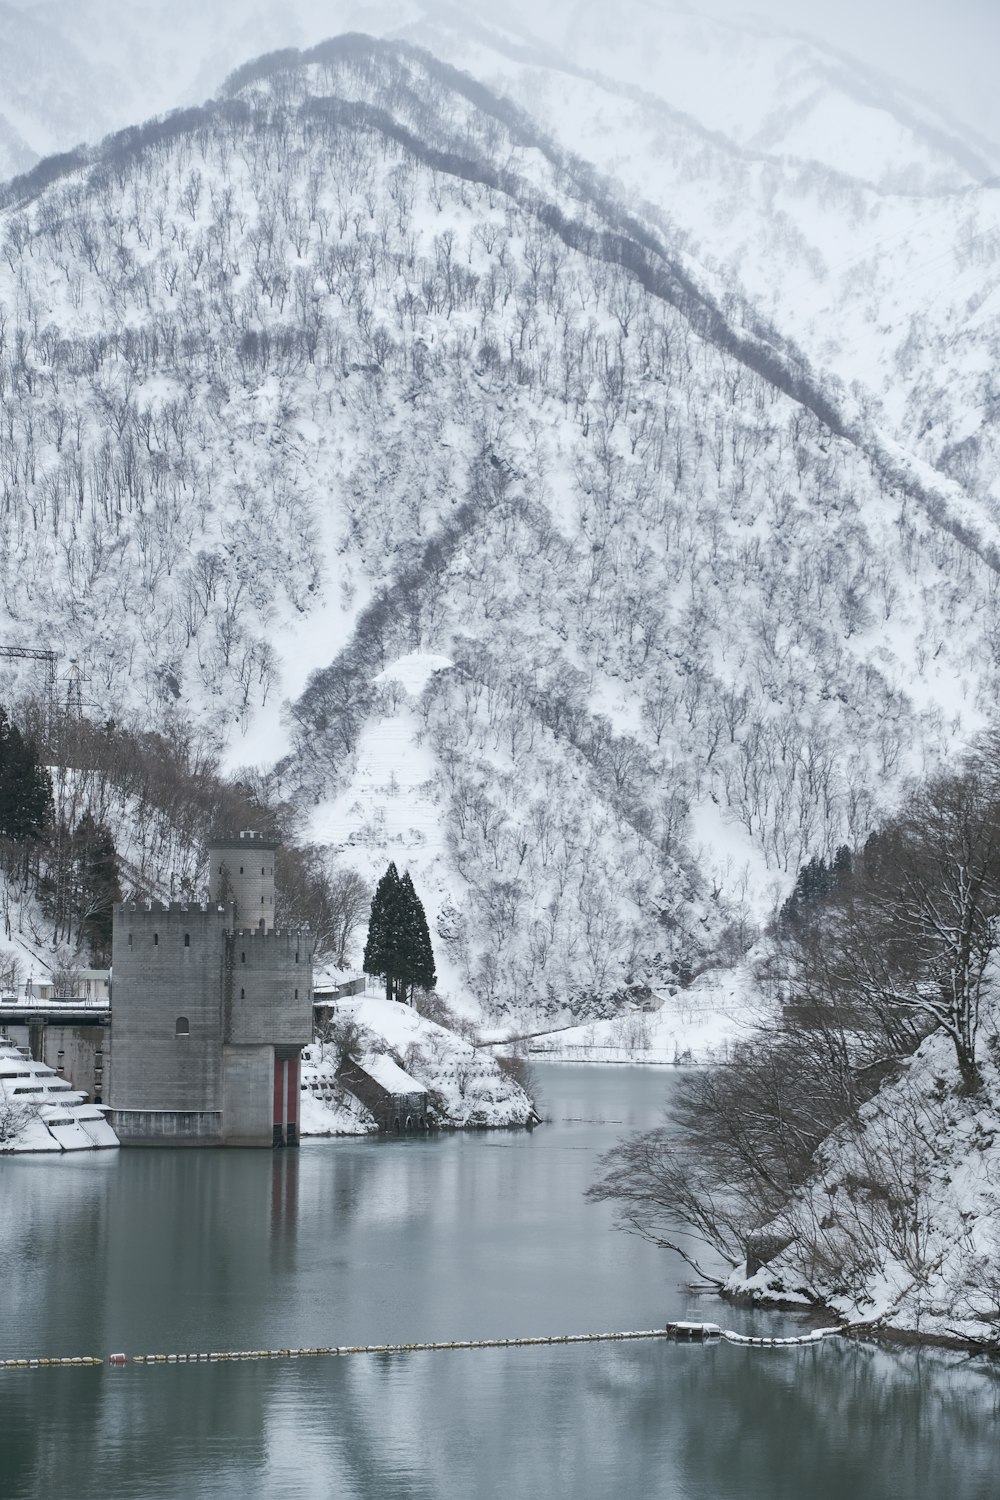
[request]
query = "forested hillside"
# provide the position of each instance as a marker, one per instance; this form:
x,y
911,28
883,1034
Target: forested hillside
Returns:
x,y
356,362
863,223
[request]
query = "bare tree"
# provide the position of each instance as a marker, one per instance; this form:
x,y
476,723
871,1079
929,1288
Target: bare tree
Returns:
x,y
917,933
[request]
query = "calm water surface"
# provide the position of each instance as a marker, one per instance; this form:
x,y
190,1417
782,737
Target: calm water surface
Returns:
x,y
453,1237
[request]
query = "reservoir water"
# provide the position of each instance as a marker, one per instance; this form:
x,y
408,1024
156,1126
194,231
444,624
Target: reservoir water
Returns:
x,y
457,1236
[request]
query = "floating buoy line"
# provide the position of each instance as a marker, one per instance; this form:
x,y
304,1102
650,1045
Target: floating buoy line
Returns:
x,y
700,1333
47,1364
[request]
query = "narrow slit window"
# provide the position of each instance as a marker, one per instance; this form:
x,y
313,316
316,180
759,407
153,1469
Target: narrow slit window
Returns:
x,y
187,940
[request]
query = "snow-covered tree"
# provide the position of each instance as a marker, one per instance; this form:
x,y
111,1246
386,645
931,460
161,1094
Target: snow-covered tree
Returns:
x,y
25,787
399,944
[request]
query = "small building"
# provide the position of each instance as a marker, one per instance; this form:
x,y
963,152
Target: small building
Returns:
x,y
398,1102
211,1008
332,985
91,985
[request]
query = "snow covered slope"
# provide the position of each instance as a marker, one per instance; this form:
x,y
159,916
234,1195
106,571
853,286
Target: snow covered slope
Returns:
x,y
71,70
75,68
898,1227
860,218
467,1088
770,89
856,220
356,365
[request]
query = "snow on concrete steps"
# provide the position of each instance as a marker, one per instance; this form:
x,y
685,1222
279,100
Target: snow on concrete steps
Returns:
x,y
40,1112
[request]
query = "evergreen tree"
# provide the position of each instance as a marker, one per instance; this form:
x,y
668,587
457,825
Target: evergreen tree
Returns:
x,y
25,787
419,967
381,949
97,887
816,881
399,943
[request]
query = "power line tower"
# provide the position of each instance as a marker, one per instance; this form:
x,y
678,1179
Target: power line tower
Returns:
x,y
33,653
74,689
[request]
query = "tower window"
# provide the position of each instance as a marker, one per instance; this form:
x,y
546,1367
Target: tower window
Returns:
x,y
243,958
241,869
183,1027
296,994
243,994
156,939
130,940
187,940
262,869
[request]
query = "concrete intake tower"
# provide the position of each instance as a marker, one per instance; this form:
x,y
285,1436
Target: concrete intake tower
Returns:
x,y
211,1006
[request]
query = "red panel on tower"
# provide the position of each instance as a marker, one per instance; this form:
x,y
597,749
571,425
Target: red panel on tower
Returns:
x,y
279,1091
293,1089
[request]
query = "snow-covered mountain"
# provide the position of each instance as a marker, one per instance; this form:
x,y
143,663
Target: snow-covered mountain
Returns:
x,y
358,365
75,68
856,215
852,215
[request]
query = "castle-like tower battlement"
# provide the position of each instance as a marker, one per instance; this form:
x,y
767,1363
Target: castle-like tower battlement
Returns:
x,y
292,934
197,907
241,872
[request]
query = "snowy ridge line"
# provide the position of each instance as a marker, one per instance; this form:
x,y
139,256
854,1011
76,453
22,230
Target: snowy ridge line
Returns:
x,y
620,237
693,1332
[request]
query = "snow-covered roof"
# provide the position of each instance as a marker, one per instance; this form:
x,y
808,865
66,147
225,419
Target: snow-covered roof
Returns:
x,y
389,1074
334,979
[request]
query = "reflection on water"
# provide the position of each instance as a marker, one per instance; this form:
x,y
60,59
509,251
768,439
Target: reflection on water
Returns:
x,y
456,1236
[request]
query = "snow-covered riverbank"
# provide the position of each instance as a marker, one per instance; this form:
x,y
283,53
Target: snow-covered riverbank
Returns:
x,y
468,1088
897,1232
696,1025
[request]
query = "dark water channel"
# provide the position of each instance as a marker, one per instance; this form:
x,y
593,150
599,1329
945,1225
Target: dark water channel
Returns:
x,y
454,1237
